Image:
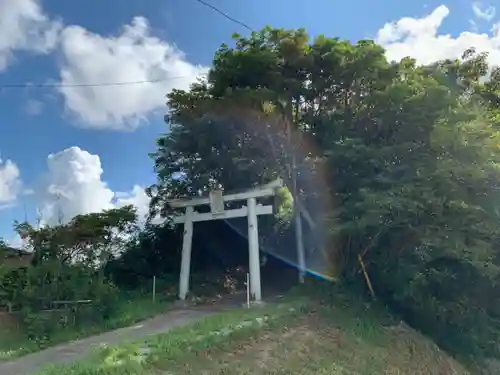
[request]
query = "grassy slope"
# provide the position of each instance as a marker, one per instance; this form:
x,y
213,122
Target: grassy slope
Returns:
x,y
296,337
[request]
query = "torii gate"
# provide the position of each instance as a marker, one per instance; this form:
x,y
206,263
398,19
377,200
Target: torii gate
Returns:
x,y
217,200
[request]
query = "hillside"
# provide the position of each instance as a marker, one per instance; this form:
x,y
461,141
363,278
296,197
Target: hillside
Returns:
x,y
312,344
299,336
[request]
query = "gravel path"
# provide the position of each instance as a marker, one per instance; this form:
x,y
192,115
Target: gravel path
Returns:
x,y
67,353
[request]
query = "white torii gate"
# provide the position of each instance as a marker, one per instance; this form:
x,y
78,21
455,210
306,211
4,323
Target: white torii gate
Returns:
x,y
216,201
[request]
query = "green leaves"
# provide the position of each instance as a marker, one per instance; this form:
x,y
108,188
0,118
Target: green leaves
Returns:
x,y
408,154
68,260
87,239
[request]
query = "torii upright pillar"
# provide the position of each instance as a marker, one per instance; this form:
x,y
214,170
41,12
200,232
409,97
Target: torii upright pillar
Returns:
x,y
187,241
253,251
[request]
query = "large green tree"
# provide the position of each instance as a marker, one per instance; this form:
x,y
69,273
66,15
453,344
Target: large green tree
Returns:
x,y
406,156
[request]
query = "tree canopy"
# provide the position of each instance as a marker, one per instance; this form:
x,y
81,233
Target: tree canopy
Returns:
x,y
398,161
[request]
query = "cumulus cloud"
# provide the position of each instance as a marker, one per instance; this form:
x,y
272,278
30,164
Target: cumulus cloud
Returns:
x,y
25,27
10,183
133,55
86,58
16,241
73,185
486,13
138,198
419,38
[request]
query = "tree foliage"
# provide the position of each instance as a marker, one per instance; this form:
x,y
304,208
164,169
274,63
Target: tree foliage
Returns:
x,y
90,239
68,260
406,155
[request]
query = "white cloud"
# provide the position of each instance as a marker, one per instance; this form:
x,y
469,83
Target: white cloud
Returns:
x,y
16,241
482,12
73,185
133,55
25,27
419,38
10,183
138,198
34,107
28,191
473,25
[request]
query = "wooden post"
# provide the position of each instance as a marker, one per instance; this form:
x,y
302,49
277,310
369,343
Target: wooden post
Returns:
x,y
248,290
367,278
253,250
299,236
186,253
154,289
299,242
300,246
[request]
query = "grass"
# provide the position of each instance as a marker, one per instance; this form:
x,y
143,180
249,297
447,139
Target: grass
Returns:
x,y
163,351
299,336
131,308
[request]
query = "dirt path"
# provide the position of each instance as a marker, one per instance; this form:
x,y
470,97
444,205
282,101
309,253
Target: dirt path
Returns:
x,y
67,353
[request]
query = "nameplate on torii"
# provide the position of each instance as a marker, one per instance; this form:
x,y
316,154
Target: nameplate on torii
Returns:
x,y
216,202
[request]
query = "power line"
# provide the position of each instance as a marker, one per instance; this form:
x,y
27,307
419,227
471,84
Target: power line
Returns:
x,y
125,83
102,84
224,14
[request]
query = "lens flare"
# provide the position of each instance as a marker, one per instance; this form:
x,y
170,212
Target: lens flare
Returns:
x,y
294,156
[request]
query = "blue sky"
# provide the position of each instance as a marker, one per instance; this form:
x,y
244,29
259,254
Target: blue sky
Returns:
x,y
99,138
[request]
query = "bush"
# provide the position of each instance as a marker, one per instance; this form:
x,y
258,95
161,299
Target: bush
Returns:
x,y
428,232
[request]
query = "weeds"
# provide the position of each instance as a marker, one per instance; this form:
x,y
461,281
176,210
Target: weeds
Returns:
x,y
344,337
128,309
